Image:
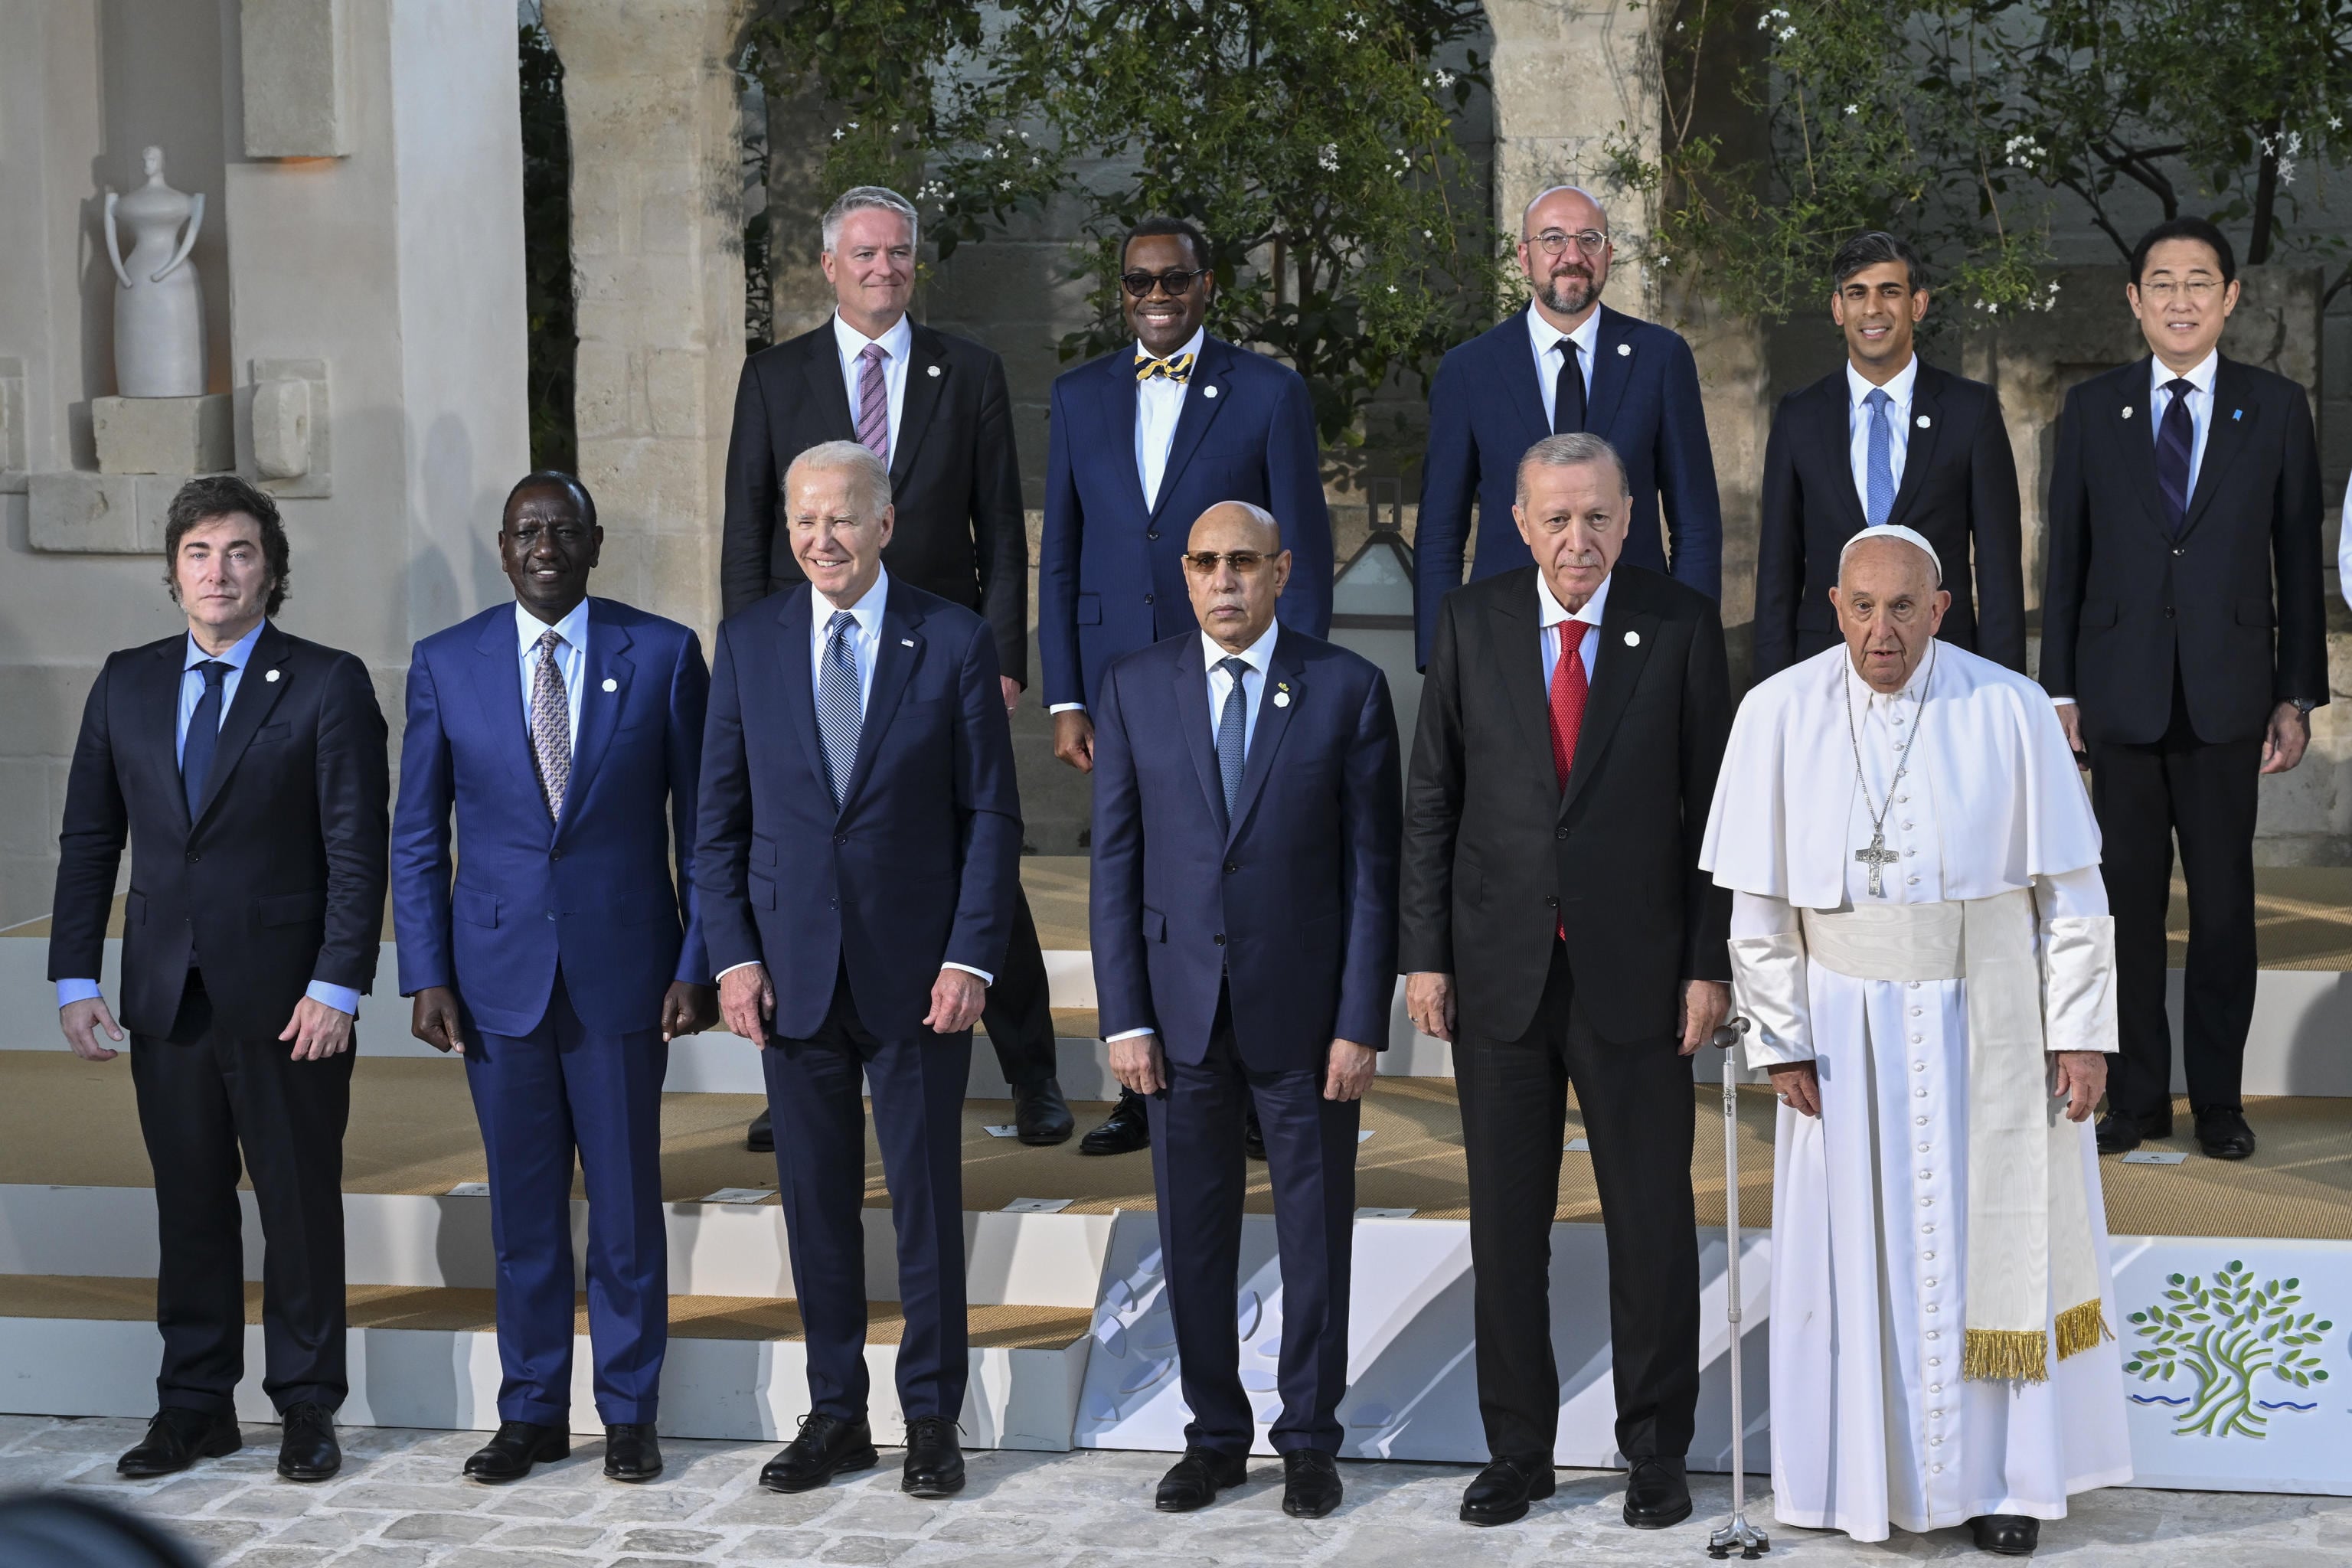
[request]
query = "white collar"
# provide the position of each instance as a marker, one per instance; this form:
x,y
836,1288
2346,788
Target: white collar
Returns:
x,y
1553,612
898,341
572,628
1860,694
2200,375
1587,336
1897,388
1200,336
867,610
1259,656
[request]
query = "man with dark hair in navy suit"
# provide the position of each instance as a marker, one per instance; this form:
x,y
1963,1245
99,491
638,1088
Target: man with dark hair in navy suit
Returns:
x,y
551,951
858,860
1141,441
1568,364
1247,811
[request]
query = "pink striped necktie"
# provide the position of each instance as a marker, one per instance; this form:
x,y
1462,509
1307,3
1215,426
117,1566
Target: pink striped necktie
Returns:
x,y
874,402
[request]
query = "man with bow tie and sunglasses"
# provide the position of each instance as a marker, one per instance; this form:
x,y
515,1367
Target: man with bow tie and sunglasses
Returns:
x,y
1142,440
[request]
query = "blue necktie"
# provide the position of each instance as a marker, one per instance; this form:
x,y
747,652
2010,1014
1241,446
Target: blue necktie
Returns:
x,y
204,735
1232,723
2175,441
1878,500
839,715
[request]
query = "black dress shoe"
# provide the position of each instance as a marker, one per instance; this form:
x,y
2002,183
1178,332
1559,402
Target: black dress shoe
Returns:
x,y
1123,1131
1252,1135
2010,1534
1040,1114
1658,1494
631,1452
1310,1483
934,1459
514,1449
1194,1480
760,1137
1506,1486
2222,1133
827,1447
2119,1134
308,1451
177,1438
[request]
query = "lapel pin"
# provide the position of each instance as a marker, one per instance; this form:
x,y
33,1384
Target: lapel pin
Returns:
x,y
1282,699
611,684
1924,422
2236,414
1624,351
906,642
1633,639
1208,392
271,676
2127,410
934,370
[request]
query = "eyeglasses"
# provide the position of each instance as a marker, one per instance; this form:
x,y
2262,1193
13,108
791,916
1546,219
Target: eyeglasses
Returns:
x,y
1243,562
1176,285
2197,290
1552,241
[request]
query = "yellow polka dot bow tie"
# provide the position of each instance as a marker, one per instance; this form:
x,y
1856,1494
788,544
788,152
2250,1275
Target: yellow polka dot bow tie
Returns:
x,y
1177,368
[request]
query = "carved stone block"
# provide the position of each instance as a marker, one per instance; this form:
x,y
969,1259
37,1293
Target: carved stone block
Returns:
x,y
164,434
295,79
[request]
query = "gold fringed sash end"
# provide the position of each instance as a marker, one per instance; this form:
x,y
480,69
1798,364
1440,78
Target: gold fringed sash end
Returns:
x,y
2081,1328
2007,1355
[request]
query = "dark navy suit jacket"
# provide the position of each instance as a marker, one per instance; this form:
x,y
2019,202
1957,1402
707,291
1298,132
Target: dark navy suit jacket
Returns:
x,y
922,864
592,890
1110,579
1485,410
1294,903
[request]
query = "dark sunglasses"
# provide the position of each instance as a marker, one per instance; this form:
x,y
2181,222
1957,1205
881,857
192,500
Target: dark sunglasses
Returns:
x,y
1176,285
1242,560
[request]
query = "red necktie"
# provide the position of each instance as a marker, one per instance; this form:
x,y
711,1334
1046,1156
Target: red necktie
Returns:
x,y
1567,693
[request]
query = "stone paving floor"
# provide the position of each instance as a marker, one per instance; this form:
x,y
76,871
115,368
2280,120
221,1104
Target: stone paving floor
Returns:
x,y
398,1504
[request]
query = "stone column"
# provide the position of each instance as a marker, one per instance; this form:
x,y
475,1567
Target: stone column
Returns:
x,y
657,250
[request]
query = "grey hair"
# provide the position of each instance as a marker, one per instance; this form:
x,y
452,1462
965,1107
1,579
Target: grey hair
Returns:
x,y
869,198
872,479
1598,206
1567,452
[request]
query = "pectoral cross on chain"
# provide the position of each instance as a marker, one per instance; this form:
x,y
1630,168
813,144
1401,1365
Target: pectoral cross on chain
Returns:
x,y
1875,856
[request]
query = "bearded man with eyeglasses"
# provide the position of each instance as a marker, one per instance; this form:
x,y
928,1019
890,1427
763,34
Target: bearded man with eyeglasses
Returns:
x,y
1566,365
1143,440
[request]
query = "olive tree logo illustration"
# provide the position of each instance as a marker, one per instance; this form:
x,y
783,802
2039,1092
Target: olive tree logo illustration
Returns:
x,y
2225,1334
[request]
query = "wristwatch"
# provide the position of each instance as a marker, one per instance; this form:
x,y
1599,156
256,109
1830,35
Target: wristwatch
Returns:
x,y
2305,704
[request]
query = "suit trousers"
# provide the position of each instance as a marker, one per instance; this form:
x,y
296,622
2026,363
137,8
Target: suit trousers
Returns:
x,y
1640,1119
205,1098
1019,1012
539,1097
2206,793
817,1103
1198,1167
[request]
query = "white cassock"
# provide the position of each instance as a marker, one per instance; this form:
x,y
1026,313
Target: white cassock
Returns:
x,y
1871,1420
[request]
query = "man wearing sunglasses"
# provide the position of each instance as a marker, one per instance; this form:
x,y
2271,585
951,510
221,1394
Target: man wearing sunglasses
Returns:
x,y
1142,440
1567,364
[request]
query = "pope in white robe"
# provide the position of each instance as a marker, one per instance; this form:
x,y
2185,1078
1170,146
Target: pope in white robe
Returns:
x,y
1922,947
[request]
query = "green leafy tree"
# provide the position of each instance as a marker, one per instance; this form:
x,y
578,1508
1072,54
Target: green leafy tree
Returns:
x,y
2225,1335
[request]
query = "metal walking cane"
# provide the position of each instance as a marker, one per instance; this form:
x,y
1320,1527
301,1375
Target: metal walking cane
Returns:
x,y
1751,1541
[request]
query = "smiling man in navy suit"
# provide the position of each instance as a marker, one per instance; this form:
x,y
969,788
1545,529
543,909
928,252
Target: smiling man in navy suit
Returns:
x,y
565,733
859,859
1567,364
1247,810
1142,440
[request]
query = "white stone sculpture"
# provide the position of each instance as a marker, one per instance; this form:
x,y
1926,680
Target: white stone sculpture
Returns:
x,y
159,311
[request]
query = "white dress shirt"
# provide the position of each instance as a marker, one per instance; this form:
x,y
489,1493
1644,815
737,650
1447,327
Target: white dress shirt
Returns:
x,y
898,342
1547,339
1556,615
2344,550
571,658
2201,406
1159,402
1898,389
1259,656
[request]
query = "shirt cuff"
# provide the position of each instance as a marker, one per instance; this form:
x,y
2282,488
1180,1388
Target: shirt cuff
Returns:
x,y
1127,1035
1066,707
341,998
749,963
986,977
2061,702
72,991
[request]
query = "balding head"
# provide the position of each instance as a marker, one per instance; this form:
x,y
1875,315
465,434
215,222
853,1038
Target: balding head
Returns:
x,y
1889,605
1234,570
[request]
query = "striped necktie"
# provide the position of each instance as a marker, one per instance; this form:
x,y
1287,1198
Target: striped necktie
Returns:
x,y
874,401
840,714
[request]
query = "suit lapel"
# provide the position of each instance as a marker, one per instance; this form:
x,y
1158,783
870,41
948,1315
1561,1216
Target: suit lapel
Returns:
x,y
926,376
828,388
1193,717
1284,678
2135,426
257,691
1114,403
1612,366
798,671
605,689
1205,396
1919,441
1629,631
894,665
2225,435
1831,423
498,687
168,673
1518,372
1518,632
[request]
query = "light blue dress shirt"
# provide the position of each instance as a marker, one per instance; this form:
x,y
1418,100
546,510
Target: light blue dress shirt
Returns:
x,y
898,342
341,998
1557,615
2201,406
1898,389
571,658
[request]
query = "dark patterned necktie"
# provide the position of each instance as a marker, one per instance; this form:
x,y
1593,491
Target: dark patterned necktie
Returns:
x,y
2175,441
839,714
204,734
550,724
1232,723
